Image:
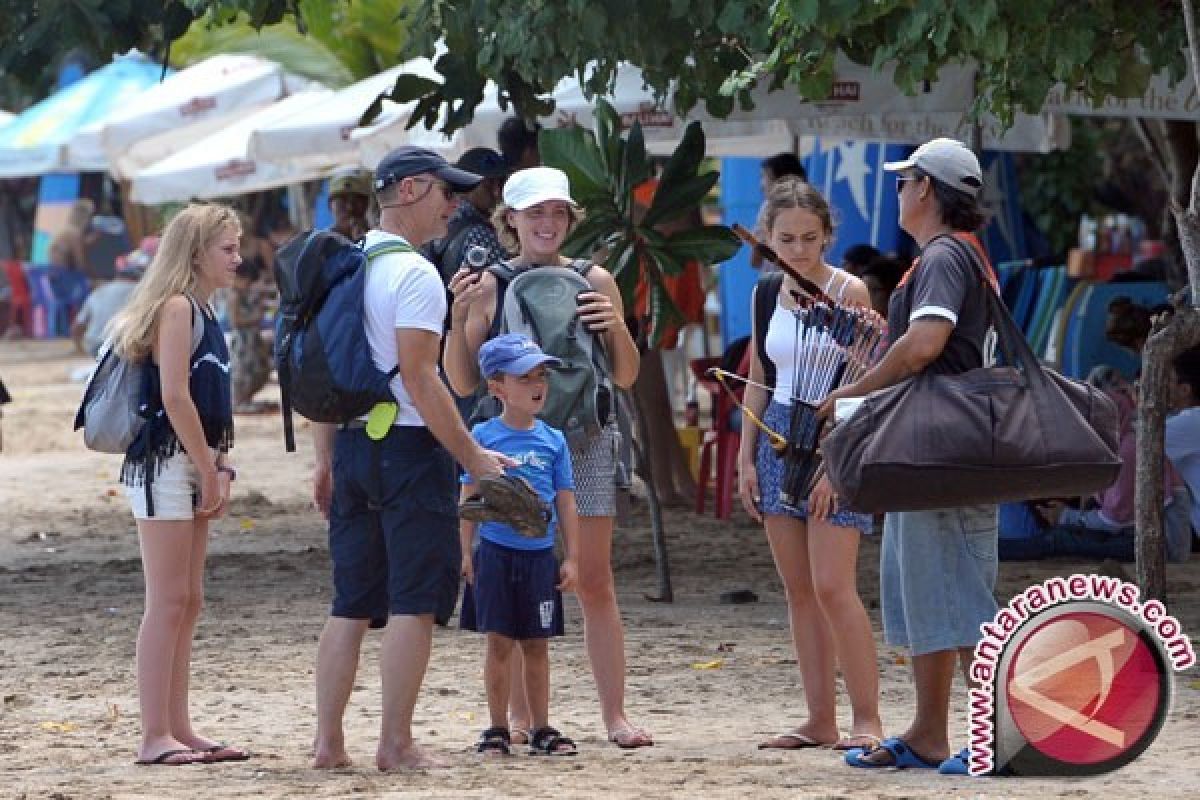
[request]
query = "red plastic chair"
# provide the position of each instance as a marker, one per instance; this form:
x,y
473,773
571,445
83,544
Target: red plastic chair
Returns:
x,y
21,300
721,437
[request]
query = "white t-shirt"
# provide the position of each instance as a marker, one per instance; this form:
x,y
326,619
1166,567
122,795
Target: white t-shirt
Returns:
x,y
403,291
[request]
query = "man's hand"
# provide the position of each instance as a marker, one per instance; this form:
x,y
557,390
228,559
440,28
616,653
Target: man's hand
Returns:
x,y
488,464
825,412
467,570
323,487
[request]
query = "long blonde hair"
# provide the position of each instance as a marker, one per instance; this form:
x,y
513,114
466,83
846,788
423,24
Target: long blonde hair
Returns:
x,y
172,272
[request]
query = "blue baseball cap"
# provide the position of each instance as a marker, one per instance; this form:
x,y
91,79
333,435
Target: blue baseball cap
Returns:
x,y
406,161
512,354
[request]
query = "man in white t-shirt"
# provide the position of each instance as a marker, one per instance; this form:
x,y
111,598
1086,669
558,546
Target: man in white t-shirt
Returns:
x,y
393,523
1182,441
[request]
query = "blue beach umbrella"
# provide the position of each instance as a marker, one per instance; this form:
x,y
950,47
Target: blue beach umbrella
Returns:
x,y
33,143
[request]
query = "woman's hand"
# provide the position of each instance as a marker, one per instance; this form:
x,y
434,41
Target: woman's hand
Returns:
x,y
210,494
748,488
225,482
597,312
467,287
822,503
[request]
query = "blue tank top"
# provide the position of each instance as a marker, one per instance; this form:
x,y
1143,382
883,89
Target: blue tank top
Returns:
x,y
209,386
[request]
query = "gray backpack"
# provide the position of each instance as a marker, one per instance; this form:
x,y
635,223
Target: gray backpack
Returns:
x,y
540,302
108,413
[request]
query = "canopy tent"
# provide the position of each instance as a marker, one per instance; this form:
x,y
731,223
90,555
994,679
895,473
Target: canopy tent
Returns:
x,y
866,107
33,143
186,106
629,97
1162,99
221,165
325,129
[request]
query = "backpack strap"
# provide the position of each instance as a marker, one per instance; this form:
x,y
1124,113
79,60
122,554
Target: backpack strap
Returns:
x,y
766,296
504,272
387,248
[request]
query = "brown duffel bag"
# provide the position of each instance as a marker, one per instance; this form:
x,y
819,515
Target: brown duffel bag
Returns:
x,y
990,435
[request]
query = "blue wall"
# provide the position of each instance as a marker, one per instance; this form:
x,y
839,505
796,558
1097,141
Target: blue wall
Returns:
x,y
850,174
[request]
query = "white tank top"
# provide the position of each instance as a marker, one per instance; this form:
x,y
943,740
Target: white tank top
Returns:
x,y
785,351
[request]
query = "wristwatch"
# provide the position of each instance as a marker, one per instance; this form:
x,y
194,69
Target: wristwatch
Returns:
x,y
228,470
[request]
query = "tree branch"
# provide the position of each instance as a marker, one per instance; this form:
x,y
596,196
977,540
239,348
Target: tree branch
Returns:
x,y
1152,139
1189,24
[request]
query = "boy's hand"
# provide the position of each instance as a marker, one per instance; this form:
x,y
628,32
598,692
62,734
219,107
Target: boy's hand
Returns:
x,y
468,569
567,576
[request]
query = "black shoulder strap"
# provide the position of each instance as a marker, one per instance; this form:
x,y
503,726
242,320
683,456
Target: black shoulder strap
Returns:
x,y
504,272
766,295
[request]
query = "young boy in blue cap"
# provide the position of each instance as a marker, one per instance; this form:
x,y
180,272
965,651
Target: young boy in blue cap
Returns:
x,y
514,581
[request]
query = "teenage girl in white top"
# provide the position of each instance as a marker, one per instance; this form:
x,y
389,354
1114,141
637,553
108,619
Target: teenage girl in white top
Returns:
x,y
815,546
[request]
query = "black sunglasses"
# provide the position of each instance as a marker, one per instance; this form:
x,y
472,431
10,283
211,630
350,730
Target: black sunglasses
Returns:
x,y
903,179
446,189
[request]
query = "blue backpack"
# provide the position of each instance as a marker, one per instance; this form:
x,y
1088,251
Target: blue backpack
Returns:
x,y
324,363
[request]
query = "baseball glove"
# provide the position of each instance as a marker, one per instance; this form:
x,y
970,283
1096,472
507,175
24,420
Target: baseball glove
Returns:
x,y
508,499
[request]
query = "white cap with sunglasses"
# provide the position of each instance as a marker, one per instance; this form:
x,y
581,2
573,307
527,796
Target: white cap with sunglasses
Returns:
x,y
948,160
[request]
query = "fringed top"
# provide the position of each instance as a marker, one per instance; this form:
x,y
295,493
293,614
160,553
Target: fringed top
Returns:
x,y
209,385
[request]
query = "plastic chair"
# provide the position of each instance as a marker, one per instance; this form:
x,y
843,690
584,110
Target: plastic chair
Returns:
x,y
722,438
20,301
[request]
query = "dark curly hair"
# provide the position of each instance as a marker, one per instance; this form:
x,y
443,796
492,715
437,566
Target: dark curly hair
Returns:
x,y
959,210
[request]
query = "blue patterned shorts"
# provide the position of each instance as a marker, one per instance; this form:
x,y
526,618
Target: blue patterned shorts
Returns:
x,y
770,476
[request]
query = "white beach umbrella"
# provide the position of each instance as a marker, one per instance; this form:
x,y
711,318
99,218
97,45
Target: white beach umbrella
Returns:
x,y
221,165
326,129
184,107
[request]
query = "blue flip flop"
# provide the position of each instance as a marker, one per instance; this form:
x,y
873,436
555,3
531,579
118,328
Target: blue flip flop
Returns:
x,y
903,756
957,764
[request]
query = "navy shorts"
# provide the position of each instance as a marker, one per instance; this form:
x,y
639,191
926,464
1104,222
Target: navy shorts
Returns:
x,y
513,593
393,525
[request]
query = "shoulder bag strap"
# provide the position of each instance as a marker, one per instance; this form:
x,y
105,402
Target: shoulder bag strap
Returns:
x,y
1010,338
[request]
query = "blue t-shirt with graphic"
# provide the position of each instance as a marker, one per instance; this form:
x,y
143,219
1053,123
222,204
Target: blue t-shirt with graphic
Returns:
x,y
542,459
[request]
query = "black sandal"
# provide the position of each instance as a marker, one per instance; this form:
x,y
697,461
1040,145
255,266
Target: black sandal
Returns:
x,y
494,741
549,742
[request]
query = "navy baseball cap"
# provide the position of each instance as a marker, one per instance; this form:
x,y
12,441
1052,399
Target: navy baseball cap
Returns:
x,y
512,354
406,161
483,161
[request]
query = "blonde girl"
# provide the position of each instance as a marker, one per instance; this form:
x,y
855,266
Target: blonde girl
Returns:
x,y
176,473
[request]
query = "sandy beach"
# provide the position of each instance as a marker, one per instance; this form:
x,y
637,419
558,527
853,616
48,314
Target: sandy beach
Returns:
x,y
710,680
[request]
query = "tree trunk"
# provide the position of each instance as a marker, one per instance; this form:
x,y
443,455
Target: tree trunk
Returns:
x,y
658,536
664,456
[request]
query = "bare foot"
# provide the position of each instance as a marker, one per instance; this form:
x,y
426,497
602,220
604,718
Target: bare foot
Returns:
x,y
628,737
800,738
331,758
411,757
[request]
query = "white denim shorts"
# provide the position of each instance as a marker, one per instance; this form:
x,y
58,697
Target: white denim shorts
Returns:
x,y
176,490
